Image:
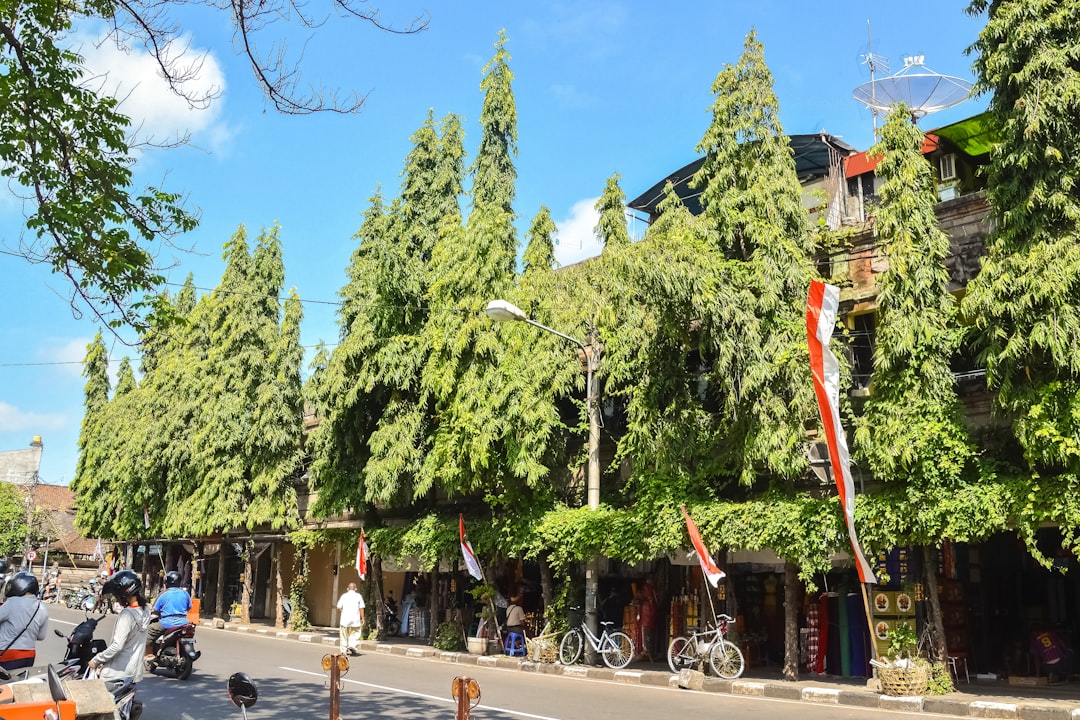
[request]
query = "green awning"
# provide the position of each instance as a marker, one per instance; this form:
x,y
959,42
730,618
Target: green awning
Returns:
x,y
973,136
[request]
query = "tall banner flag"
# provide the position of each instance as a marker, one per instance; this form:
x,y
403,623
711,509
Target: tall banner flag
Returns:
x,y
712,573
821,308
145,518
98,552
361,556
471,562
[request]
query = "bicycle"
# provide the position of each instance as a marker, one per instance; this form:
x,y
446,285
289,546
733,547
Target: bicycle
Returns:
x,y
724,656
613,646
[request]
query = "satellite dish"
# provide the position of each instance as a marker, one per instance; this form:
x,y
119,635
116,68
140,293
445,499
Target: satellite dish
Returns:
x,y
916,85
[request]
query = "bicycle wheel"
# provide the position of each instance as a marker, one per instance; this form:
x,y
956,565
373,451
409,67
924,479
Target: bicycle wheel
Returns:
x,y
570,647
680,654
726,660
618,650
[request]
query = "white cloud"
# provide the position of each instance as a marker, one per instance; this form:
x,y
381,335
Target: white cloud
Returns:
x,y
13,419
576,237
157,113
71,353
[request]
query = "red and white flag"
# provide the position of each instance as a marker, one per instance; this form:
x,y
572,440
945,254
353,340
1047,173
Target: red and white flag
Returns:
x,y
471,562
821,308
712,573
361,556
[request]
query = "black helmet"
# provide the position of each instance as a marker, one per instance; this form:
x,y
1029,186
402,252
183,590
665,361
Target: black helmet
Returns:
x,y
172,579
22,583
122,585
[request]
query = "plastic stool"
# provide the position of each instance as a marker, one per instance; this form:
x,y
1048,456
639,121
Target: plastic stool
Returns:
x,y
514,645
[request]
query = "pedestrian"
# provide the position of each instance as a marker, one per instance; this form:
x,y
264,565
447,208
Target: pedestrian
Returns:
x,y
515,616
23,621
351,605
648,602
123,657
170,611
612,608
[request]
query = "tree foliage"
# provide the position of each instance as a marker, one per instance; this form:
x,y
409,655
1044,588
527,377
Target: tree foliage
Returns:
x,y
912,428
209,440
611,227
68,152
1025,302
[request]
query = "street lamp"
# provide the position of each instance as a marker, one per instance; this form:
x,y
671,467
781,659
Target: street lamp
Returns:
x,y
503,311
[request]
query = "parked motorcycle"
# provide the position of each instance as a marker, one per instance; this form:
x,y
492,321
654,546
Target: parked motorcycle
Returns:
x,y
77,596
391,621
175,650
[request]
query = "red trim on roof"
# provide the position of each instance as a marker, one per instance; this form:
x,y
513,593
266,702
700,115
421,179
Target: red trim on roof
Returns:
x,y
863,162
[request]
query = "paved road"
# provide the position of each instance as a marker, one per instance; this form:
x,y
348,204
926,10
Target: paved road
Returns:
x,y
293,687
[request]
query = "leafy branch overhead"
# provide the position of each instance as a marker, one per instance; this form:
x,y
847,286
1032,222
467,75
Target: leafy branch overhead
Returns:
x,y
68,152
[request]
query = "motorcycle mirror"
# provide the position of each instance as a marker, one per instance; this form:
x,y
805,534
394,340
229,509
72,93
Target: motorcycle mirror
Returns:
x,y
242,690
58,633
89,603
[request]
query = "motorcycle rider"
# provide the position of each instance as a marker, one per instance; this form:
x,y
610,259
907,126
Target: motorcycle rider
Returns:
x,y
23,621
123,656
170,611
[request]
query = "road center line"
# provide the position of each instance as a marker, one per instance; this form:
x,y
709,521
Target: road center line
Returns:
x,y
423,695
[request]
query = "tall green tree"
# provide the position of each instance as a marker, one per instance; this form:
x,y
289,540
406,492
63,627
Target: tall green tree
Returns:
x,y
611,227
247,443
377,418
912,429
472,265
1025,302
94,500
752,200
540,243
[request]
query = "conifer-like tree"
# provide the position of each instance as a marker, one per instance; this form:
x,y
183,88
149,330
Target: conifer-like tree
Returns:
x,y
540,243
94,501
611,227
376,416
912,430
753,203
1025,302
247,444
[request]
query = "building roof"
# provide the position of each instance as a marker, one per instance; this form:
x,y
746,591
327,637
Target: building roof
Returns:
x,y
973,136
812,153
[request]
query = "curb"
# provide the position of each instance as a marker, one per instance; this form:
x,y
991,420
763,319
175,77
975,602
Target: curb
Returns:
x,y
812,694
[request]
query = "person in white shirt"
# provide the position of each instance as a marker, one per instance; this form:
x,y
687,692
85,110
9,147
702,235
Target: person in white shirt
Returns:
x,y
351,605
124,655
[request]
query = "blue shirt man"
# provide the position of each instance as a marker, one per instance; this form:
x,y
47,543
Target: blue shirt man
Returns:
x,y
171,609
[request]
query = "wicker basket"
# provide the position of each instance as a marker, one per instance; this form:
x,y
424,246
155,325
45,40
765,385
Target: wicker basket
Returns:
x,y
898,681
542,648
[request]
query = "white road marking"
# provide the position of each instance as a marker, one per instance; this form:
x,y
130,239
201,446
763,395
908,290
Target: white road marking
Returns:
x,y
422,695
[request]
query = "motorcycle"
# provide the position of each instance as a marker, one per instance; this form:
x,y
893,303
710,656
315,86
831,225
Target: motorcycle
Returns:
x,y
175,650
391,621
77,596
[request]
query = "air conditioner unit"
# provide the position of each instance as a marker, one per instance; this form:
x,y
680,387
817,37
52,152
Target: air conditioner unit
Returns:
x,y
947,167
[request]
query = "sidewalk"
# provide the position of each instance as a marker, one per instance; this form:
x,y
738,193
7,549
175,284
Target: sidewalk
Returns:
x,y
995,699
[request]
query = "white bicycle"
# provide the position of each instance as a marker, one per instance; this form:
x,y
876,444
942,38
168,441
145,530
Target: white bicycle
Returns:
x,y
613,646
724,657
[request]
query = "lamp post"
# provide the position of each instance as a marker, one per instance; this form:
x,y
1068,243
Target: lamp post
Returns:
x,y
503,311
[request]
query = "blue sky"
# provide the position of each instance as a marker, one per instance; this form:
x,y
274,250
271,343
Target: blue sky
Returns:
x,y
601,87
